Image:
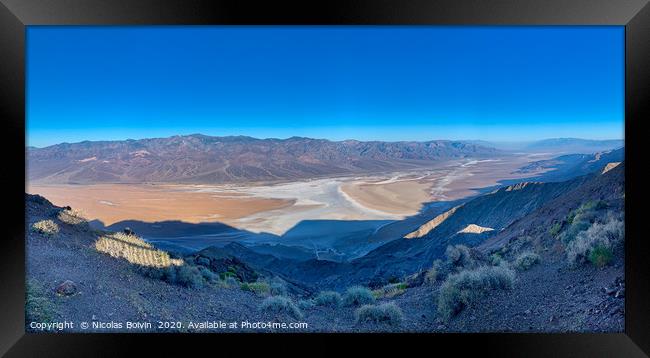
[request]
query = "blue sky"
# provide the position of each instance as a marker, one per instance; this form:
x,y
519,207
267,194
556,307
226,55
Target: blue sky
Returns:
x,y
367,83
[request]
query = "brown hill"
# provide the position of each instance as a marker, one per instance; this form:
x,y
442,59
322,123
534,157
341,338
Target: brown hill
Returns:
x,y
204,159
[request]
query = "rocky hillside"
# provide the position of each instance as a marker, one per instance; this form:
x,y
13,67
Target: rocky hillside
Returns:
x,y
205,159
571,165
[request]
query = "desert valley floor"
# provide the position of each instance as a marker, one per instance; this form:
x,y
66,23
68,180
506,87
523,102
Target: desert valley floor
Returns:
x,y
277,207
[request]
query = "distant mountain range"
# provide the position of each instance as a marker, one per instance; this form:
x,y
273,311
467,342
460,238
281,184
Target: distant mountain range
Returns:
x,y
576,145
555,145
205,159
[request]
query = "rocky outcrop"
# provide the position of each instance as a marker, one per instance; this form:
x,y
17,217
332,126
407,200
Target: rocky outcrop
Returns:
x,y
67,288
475,229
610,166
432,224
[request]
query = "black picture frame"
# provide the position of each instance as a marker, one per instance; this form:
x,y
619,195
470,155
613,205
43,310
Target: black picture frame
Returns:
x,y
15,15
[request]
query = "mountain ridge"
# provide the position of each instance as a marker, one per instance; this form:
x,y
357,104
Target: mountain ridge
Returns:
x,y
205,159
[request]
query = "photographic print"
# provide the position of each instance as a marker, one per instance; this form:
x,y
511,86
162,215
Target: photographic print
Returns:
x,y
219,179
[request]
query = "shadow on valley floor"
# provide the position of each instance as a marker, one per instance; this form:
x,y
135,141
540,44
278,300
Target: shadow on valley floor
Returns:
x,y
332,240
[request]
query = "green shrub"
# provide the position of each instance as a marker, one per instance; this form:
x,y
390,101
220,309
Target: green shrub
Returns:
x,y
260,288
388,313
586,211
390,290
208,275
358,295
604,236
185,275
464,288
526,260
224,275
188,276
459,256
328,298
38,307
431,276
46,227
496,259
281,305
554,230
600,256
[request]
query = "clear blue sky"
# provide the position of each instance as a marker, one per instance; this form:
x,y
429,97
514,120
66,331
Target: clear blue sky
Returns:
x,y
384,83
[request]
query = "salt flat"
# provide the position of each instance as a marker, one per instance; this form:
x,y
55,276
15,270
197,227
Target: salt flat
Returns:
x,y
276,208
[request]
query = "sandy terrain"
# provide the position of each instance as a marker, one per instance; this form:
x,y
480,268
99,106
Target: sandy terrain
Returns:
x,y
404,193
278,208
112,203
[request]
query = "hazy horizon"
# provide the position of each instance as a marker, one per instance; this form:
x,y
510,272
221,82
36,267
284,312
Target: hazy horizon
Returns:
x,y
513,142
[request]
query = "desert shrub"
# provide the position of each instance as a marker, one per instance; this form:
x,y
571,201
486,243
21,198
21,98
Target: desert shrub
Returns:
x,y
328,298
227,274
38,307
188,276
72,217
600,256
390,290
581,219
277,287
306,304
526,260
260,288
281,305
496,259
415,279
134,250
599,237
431,276
554,230
459,256
231,281
388,313
208,275
443,268
185,275
586,211
464,288
46,227
358,295
152,272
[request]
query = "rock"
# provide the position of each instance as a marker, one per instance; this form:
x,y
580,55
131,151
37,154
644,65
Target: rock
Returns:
x,y
610,291
620,293
128,231
67,208
67,288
